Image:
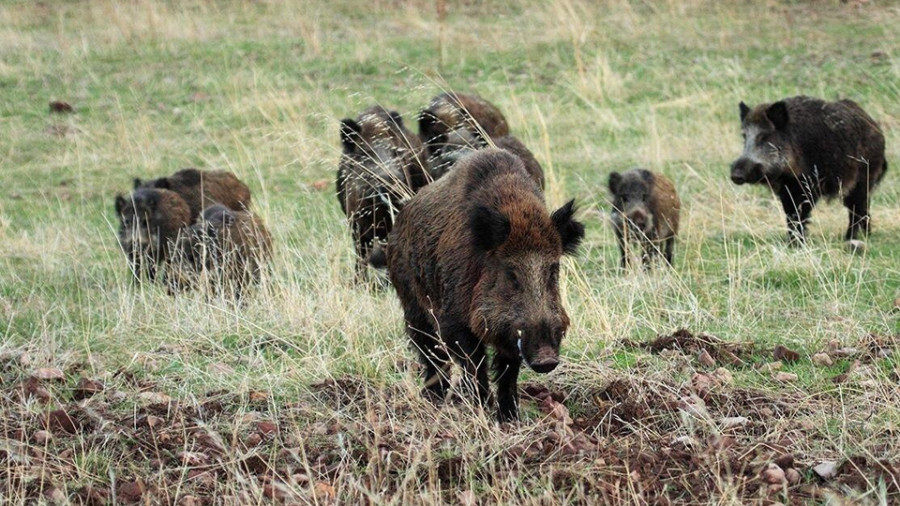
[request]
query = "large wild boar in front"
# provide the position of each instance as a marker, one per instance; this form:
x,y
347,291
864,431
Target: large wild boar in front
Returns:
x,y
645,211
804,148
382,165
474,258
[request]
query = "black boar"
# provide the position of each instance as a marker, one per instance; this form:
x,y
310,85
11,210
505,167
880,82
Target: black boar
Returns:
x,y
474,258
382,164
645,210
455,119
804,148
150,221
227,248
201,189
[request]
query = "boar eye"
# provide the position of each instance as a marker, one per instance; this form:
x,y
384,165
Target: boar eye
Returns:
x,y
512,278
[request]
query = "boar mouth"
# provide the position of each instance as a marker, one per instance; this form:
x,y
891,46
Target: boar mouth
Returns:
x,y
543,365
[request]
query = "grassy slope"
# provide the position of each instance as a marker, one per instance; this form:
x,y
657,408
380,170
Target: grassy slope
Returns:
x,y
257,88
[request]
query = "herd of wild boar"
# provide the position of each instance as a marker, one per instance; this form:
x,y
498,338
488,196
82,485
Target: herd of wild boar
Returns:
x,y
457,216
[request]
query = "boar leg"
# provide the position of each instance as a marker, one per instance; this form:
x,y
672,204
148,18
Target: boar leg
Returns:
x,y
432,354
623,247
670,245
797,206
468,351
857,201
507,376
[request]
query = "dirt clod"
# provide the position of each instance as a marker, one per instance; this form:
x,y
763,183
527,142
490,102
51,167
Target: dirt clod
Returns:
x,y
785,354
822,360
49,374
60,107
87,388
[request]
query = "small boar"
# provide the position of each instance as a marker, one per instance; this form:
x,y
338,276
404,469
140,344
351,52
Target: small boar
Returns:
x,y
201,189
645,210
474,258
227,248
804,148
150,221
382,164
454,119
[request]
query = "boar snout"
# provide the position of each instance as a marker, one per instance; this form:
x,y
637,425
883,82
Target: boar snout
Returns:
x,y
545,360
746,171
541,351
639,217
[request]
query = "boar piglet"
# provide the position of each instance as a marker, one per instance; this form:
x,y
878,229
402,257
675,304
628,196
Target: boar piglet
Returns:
x,y
382,164
226,248
804,148
201,189
474,258
150,221
645,211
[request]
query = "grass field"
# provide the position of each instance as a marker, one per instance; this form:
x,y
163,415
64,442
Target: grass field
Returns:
x,y
308,393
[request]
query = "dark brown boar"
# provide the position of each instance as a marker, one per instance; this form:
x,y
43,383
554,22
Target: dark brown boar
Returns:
x,y
804,148
150,221
460,142
203,188
450,114
646,211
227,249
382,164
474,258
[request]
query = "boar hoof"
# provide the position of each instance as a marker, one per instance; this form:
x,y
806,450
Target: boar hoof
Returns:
x,y
855,246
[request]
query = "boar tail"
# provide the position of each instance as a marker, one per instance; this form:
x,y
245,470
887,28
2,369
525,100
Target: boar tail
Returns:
x,y
378,256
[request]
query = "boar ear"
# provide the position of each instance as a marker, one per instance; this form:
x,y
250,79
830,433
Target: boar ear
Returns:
x,y
744,110
163,183
120,204
614,179
490,228
778,114
570,231
350,138
396,118
138,182
427,122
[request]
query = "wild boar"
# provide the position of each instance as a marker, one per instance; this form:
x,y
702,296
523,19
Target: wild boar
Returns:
x,y
201,189
645,210
382,164
804,148
150,221
228,249
453,119
474,258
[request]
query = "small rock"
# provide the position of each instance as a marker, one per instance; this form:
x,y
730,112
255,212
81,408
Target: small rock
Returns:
x,y
131,491
766,412
154,398
826,470
706,359
845,352
793,476
257,396
301,478
785,461
41,437
193,458
87,388
773,475
266,427
153,422
771,366
253,439
734,421
60,420
324,491
54,495
188,500
49,374
834,344
785,377
701,383
60,107
822,360
723,376
786,354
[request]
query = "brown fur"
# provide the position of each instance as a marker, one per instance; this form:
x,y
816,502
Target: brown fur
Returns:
x,y
646,210
150,221
478,253
449,112
201,189
227,248
382,164
804,148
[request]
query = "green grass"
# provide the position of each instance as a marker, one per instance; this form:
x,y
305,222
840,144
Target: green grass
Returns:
x,y
258,88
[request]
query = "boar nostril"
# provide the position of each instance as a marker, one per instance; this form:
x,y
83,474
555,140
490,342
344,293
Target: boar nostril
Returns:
x,y
544,366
